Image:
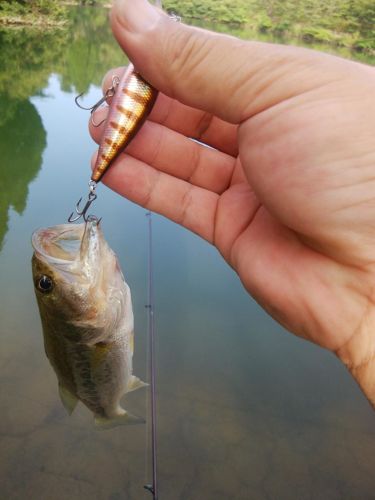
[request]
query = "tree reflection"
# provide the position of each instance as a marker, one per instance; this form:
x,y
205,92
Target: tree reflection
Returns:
x,y
27,58
22,142
80,54
91,50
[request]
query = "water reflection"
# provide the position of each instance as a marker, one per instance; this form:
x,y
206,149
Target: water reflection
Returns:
x,y
90,52
22,142
80,56
27,58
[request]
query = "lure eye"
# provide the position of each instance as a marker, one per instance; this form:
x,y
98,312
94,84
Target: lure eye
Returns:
x,y
44,284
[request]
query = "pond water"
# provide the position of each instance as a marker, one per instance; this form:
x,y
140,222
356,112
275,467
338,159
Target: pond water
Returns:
x,y
245,410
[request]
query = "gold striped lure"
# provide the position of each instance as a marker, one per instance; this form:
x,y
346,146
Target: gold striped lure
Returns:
x,y
132,99
130,106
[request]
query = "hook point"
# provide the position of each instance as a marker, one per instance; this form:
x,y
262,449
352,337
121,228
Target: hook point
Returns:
x,y
83,212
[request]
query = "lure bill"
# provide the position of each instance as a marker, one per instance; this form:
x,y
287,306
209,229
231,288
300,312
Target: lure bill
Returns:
x,y
129,108
86,311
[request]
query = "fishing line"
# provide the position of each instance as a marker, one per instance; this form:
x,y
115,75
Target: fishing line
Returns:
x,y
153,487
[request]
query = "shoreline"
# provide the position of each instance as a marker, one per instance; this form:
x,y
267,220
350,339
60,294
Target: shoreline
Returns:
x,y
38,21
76,3
309,37
31,22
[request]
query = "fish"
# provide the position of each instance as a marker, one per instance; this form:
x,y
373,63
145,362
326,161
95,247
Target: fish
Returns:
x,y
131,104
87,318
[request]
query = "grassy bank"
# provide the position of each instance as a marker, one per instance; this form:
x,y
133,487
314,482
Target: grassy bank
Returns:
x,y
347,23
36,21
38,13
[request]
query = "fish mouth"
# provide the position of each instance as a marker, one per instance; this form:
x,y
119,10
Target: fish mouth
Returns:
x,y
75,252
58,244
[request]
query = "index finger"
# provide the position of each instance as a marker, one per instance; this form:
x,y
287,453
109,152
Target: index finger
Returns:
x,y
188,121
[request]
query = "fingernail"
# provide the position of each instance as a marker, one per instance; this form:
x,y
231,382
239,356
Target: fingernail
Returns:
x,y
136,15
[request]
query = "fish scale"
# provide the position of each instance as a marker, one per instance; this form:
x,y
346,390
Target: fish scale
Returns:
x,y
130,106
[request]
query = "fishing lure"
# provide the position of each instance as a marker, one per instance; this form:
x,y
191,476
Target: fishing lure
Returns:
x,y
132,101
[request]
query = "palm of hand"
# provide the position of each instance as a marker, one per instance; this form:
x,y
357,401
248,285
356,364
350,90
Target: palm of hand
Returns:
x,y
304,250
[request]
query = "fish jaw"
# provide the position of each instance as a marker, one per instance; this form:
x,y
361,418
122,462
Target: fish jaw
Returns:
x,y
82,268
57,245
78,249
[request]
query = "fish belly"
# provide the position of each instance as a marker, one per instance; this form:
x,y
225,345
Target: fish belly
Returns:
x,y
98,375
102,373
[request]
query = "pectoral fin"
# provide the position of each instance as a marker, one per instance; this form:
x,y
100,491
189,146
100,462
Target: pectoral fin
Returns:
x,y
102,423
135,383
68,399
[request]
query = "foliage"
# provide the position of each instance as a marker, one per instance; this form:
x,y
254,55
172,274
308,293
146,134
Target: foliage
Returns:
x,y
342,22
31,9
310,34
264,23
230,11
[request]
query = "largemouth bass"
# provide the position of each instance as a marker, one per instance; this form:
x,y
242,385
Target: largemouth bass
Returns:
x,y
86,311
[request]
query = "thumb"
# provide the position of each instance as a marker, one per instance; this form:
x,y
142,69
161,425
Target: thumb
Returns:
x,y
220,74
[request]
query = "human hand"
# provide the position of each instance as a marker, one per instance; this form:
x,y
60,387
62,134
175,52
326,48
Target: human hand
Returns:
x,y
287,195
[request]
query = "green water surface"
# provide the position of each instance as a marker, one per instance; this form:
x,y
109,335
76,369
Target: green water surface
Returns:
x,y
245,410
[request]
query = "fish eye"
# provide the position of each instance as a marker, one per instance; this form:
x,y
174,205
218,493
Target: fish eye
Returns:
x,y
44,284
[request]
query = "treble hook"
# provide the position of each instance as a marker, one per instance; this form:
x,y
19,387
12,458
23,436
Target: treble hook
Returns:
x,y
83,212
90,108
110,92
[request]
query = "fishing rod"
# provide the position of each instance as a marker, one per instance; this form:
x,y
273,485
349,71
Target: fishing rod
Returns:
x,y
153,487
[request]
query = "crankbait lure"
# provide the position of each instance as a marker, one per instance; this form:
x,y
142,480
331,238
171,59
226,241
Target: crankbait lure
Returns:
x,y
132,101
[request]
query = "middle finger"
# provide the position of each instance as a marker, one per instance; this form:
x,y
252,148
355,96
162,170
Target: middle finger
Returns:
x,y
177,155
